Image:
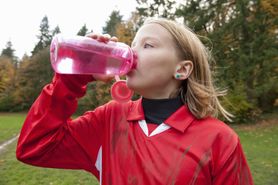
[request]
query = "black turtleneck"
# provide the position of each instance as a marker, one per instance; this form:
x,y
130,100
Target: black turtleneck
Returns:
x,y
158,110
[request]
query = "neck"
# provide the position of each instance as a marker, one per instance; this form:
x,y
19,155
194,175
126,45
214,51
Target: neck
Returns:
x,y
158,110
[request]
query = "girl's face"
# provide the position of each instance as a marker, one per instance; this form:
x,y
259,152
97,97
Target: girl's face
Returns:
x,y
156,64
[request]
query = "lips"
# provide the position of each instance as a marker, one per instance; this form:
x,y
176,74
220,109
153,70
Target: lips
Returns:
x,y
131,73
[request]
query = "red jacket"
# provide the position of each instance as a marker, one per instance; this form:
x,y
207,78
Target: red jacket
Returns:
x,y
114,143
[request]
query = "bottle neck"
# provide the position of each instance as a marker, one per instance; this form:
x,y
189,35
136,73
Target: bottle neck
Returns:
x,y
134,62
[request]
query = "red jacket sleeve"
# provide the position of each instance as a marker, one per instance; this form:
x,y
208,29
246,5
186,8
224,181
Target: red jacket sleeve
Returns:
x,y
49,138
233,168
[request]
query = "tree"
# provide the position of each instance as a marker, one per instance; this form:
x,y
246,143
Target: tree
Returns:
x,y
8,51
55,31
44,36
83,31
114,19
34,72
244,37
99,92
7,74
125,32
157,8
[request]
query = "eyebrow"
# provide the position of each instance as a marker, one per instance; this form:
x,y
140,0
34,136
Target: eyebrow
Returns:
x,y
147,38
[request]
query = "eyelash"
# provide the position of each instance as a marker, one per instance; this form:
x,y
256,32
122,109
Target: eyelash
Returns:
x,y
146,44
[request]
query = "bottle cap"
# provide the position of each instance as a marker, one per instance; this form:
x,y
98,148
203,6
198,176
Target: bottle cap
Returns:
x,y
120,92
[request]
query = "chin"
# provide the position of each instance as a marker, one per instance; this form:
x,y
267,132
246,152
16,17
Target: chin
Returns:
x,y
134,83
130,85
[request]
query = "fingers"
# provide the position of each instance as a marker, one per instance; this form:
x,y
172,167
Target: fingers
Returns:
x,y
114,39
102,37
103,78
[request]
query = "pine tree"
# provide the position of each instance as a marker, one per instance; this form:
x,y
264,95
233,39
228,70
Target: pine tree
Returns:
x,y
55,31
83,31
114,19
244,41
8,51
157,8
44,36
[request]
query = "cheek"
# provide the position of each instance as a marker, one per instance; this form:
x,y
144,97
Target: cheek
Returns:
x,y
158,67
152,68
150,64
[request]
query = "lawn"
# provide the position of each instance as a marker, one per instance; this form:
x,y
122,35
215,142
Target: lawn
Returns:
x,y
13,172
260,143
10,125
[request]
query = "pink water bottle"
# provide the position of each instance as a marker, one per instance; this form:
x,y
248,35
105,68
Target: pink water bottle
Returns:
x,y
83,55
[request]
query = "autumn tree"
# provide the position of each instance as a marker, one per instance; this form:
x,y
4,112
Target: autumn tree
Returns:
x,y
7,74
98,92
111,24
34,72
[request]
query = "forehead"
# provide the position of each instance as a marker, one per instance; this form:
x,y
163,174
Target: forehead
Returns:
x,y
154,31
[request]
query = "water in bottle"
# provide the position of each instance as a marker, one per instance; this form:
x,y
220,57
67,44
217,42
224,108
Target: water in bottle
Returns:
x,y
83,55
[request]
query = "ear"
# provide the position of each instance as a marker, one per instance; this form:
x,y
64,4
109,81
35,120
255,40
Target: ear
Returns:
x,y
183,70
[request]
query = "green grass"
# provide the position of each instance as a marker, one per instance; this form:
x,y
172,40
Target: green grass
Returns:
x,y
13,172
260,144
10,125
259,141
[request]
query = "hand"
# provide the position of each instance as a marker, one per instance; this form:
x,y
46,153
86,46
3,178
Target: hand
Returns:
x,y
102,38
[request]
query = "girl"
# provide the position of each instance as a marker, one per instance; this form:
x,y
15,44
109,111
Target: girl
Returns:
x,y
169,136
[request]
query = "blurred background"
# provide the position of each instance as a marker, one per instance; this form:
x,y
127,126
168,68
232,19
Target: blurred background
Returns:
x,y
242,36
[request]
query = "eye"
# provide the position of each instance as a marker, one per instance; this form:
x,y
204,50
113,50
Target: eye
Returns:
x,y
146,45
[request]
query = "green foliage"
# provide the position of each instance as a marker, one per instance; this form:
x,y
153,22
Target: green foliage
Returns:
x,y
98,93
126,32
244,47
8,51
56,31
242,36
33,74
236,102
7,78
160,8
44,36
83,31
114,19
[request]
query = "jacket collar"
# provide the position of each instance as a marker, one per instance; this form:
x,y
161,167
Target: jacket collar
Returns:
x,y
180,120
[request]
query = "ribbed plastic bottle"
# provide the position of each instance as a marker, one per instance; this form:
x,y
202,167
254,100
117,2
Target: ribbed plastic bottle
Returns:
x,y
84,55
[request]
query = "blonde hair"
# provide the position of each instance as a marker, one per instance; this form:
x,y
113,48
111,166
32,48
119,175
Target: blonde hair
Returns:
x,y
198,91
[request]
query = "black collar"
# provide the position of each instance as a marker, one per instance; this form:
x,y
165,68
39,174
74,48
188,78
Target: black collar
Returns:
x,y
158,110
